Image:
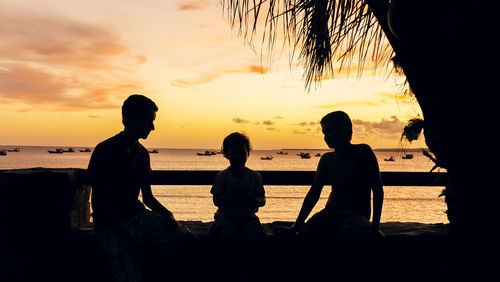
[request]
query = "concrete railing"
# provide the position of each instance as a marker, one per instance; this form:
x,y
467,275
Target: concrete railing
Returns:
x,y
47,197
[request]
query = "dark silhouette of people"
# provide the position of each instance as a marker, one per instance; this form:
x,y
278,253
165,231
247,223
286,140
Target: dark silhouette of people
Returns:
x,y
119,169
238,193
353,173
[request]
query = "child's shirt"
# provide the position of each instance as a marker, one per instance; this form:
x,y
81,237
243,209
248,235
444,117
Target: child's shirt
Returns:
x,y
238,192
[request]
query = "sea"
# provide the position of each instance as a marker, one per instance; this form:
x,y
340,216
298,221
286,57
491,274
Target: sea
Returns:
x,y
194,203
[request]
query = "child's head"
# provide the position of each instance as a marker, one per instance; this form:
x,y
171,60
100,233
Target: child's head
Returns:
x,y
337,129
236,148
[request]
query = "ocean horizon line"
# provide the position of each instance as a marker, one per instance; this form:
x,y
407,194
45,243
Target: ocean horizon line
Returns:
x,y
386,149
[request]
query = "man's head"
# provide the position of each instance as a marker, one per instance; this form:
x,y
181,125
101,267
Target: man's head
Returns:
x,y
138,114
337,129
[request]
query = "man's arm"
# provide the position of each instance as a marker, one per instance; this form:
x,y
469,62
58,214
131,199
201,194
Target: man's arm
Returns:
x,y
151,202
312,196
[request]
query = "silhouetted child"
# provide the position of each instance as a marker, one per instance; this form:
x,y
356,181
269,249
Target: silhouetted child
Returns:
x,y
352,171
238,193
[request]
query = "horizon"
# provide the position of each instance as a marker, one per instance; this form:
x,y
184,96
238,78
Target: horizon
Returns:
x,y
272,149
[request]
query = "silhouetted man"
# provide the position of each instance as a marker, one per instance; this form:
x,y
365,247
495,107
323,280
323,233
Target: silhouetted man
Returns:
x,y
118,170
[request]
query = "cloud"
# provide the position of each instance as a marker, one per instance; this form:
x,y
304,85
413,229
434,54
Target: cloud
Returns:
x,y
52,61
382,99
271,128
308,123
92,116
192,5
49,39
352,103
240,120
23,84
268,122
300,132
207,77
141,59
385,128
382,129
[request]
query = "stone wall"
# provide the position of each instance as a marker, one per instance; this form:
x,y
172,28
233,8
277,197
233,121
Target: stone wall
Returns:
x,y
50,199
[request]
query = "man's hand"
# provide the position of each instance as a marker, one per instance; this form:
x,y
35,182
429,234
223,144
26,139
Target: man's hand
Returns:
x,y
171,224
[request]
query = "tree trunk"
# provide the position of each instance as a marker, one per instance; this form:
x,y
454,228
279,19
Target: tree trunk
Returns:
x,y
441,58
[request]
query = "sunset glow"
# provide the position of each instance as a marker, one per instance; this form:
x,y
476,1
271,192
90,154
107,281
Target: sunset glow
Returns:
x,y
66,67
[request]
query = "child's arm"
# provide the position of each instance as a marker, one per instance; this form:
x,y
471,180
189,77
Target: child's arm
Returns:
x,y
221,200
378,191
260,195
312,196
220,195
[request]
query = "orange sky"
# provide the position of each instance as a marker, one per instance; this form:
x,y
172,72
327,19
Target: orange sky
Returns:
x,y
66,67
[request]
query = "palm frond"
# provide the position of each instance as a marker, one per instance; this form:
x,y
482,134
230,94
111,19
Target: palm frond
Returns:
x,y
323,31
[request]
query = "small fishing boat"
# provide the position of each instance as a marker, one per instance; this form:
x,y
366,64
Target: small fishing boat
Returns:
x,y
266,158
318,155
69,150
282,153
56,151
304,155
154,151
86,150
14,150
207,153
3,152
390,159
407,156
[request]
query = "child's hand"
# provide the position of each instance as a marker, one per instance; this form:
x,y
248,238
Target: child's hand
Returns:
x,y
375,234
283,230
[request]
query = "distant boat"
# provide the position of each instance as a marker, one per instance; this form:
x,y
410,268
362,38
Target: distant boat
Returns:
x,y
318,155
282,153
207,153
154,151
407,156
390,159
14,150
86,150
304,155
70,150
56,151
3,152
266,158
